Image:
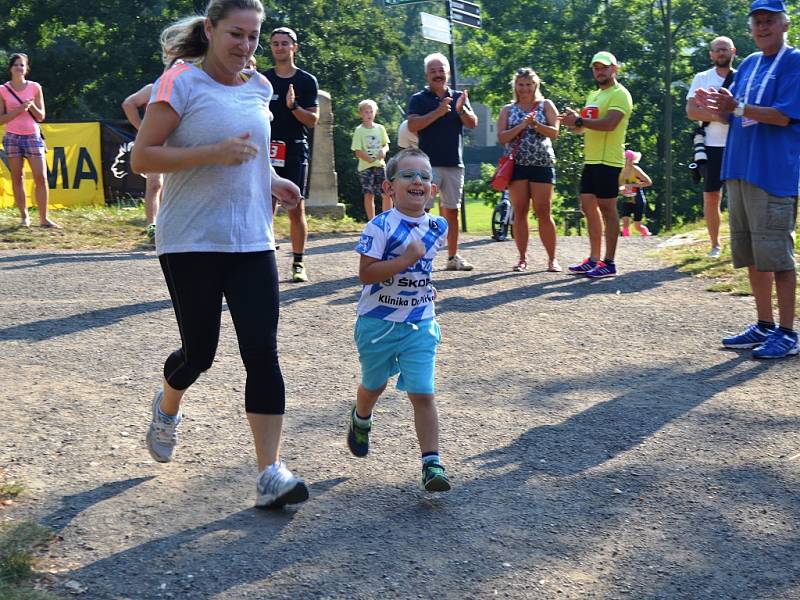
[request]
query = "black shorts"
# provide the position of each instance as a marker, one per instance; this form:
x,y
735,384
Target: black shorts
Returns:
x,y
713,169
534,173
296,172
633,209
600,180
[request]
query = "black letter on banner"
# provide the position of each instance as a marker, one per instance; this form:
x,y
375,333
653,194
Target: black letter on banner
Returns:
x,y
59,164
91,173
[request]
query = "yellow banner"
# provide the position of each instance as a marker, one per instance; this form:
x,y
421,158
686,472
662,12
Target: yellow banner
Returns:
x,y
74,167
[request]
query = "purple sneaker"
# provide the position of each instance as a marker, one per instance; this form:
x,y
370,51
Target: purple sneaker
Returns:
x,y
602,270
582,267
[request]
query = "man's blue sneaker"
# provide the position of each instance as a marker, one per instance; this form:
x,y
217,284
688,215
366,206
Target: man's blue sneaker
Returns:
x,y
778,345
749,338
602,270
582,267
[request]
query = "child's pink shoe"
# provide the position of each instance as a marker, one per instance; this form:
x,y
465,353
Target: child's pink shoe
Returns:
x,y
644,231
626,232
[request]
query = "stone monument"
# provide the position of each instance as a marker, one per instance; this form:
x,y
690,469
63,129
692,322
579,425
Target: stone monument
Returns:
x,y
323,197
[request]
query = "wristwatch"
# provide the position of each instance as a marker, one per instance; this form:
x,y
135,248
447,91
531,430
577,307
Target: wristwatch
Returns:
x,y
739,110
578,122
295,105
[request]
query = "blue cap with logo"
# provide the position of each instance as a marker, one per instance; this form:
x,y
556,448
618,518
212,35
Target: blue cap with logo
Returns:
x,y
768,5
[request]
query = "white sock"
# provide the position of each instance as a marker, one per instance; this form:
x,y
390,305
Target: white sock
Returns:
x,y
430,458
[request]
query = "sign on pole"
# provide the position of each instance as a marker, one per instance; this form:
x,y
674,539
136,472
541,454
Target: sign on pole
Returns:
x,y
465,13
465,19
436,28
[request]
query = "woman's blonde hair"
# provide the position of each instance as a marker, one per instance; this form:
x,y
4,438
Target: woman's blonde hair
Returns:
x,y
186,39
527,73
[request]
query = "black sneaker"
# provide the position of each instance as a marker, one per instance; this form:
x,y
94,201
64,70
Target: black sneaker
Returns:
x,y
357,437
434,478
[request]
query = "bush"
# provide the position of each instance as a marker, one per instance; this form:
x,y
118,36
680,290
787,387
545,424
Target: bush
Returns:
x,y
480,189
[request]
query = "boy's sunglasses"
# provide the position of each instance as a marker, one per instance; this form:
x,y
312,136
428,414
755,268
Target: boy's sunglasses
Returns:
x,y
410,174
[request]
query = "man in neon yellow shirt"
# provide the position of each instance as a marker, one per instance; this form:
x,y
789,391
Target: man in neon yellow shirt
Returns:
x,y
603,122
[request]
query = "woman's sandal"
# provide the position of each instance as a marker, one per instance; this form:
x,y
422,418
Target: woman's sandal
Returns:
x,y
554,267
521,266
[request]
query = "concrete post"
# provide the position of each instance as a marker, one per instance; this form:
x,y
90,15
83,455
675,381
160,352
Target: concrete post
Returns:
x,y
323,197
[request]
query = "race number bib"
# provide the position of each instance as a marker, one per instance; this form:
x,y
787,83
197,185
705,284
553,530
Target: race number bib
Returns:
x,y
590,112
277,153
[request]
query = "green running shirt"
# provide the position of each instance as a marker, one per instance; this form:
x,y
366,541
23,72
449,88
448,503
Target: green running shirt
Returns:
x,y
607,147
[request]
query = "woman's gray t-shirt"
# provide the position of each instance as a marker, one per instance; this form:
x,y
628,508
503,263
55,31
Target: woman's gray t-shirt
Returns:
x,y
216,208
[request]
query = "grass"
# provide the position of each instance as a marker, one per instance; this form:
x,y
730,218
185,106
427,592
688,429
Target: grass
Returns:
x,y
19,541
690,257
115,228
122,228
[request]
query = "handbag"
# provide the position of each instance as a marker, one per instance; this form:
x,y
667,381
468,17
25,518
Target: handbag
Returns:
x,y
505,169
41,133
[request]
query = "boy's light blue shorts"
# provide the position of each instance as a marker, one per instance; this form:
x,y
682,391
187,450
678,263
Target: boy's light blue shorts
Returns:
x,y
386,348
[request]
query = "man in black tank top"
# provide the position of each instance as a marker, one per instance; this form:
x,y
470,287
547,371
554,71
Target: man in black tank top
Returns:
x,y
295,110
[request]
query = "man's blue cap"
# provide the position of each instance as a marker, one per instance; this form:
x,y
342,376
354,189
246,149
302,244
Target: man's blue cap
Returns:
x,y
767,5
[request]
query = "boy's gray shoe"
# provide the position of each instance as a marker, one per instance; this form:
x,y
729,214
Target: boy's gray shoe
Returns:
x,y
277,487
162,436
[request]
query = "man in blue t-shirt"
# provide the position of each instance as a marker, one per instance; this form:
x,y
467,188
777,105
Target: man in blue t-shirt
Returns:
x,y
438,115
761,169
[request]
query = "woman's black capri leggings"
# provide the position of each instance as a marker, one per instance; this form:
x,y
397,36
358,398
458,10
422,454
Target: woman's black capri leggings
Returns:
x,y
197,282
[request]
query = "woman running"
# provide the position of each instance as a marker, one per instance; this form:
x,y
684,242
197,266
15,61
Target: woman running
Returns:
x,y
207,128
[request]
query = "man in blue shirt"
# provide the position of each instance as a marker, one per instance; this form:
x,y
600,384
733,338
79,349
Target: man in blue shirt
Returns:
x,y
438,114
761,169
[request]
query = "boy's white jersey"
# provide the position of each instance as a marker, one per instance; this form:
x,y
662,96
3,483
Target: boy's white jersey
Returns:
x,y
408,296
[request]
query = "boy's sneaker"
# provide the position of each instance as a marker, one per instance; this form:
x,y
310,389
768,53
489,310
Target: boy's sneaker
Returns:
x,y
602,269
434,478
714,252
357,437
749,338
299,272
778,345
276,487
644,231
582,267
162,437
626,232
457,263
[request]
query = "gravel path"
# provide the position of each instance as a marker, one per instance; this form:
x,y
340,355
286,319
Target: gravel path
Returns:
x,y
600,443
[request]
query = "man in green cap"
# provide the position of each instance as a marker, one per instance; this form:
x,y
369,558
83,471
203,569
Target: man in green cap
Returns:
x,y
603,122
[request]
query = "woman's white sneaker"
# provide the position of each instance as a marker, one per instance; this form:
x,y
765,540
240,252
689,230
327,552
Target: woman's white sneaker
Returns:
x,y
276,486
162,436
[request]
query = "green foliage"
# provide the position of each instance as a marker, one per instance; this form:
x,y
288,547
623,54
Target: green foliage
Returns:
x,y
479,189
18,542
10,490
89,59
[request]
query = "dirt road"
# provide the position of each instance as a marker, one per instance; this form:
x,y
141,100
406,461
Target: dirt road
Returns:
x,y
601,443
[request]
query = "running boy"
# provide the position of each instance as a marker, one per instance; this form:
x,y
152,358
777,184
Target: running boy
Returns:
x,y
371,145
632,179
396,331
